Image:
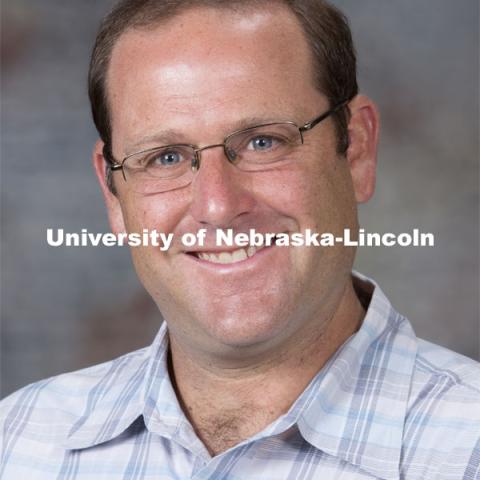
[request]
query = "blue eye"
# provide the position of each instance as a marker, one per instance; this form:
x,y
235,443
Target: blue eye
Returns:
x,y
168,158
165,158
262,143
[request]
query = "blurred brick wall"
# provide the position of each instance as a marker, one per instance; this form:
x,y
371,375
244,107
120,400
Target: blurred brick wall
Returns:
x,y
65,308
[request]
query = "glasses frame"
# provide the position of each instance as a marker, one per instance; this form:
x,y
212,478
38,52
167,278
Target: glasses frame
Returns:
x,y
119,165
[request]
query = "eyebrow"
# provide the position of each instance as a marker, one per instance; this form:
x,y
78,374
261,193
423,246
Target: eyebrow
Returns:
x,y
174,137
164,137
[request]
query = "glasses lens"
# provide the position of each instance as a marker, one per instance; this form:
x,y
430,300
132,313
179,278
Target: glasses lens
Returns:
x,y
160,169
257,147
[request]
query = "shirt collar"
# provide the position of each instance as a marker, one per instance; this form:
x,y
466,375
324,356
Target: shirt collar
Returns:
x,y
359,402
132,386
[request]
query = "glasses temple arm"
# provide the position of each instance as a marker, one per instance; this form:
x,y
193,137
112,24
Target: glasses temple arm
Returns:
x,y
312,123
112,163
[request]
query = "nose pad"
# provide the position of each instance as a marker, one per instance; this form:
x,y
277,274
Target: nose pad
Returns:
x,y
195,162
230,154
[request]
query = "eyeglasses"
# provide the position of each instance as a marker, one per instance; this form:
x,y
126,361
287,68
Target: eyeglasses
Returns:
x,y
261,147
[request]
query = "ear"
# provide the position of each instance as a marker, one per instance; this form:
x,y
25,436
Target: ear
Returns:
x,y
114,208
363,130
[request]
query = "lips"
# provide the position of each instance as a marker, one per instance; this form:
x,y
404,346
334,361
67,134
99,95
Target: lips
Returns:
x,y
231,256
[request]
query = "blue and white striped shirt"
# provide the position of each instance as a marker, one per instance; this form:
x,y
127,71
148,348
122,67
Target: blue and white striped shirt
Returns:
x,y
386,406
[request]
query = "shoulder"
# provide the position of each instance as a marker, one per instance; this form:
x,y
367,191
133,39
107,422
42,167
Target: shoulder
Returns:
x,y
445,388
50,407
442,425
460,372
445,378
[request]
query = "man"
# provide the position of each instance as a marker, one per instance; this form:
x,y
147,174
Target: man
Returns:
x,y
273,362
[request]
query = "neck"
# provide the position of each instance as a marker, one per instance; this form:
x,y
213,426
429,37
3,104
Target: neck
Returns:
x,y
228,405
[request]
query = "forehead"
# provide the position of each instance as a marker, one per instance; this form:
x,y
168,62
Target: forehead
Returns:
x,y
205,60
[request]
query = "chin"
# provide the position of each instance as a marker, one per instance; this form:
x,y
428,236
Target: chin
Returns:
x,y
246,330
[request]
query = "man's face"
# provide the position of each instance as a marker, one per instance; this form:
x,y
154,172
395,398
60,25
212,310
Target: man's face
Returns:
x,y
194,80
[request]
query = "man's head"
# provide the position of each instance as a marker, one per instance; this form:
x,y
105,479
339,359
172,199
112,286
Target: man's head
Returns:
x,y
194,75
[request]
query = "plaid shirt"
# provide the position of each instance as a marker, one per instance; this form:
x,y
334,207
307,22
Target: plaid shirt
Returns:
x,y
386,406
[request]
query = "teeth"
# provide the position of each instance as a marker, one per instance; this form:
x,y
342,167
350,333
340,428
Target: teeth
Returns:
x,y
228,257
239,255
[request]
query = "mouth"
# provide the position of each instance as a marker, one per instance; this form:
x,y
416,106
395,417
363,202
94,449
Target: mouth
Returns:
x,y
234,256
226,257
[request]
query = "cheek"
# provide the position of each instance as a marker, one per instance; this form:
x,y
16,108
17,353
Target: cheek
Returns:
x,y
317,194
161,212
331,196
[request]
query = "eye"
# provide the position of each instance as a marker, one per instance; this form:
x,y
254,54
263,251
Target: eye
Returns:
x,y
262,143
165,158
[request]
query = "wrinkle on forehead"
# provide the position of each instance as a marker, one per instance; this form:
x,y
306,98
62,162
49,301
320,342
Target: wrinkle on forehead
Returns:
x,y
195,70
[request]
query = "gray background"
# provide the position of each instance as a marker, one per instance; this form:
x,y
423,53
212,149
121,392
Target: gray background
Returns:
x,y
65,308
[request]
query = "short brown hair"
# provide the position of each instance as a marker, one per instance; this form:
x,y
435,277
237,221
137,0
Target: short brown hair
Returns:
x,y
325,27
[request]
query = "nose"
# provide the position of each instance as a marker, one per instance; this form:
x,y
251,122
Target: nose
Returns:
x,y
220,192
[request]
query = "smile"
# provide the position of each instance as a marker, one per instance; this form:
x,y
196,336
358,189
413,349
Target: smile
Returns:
x,y
234,256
